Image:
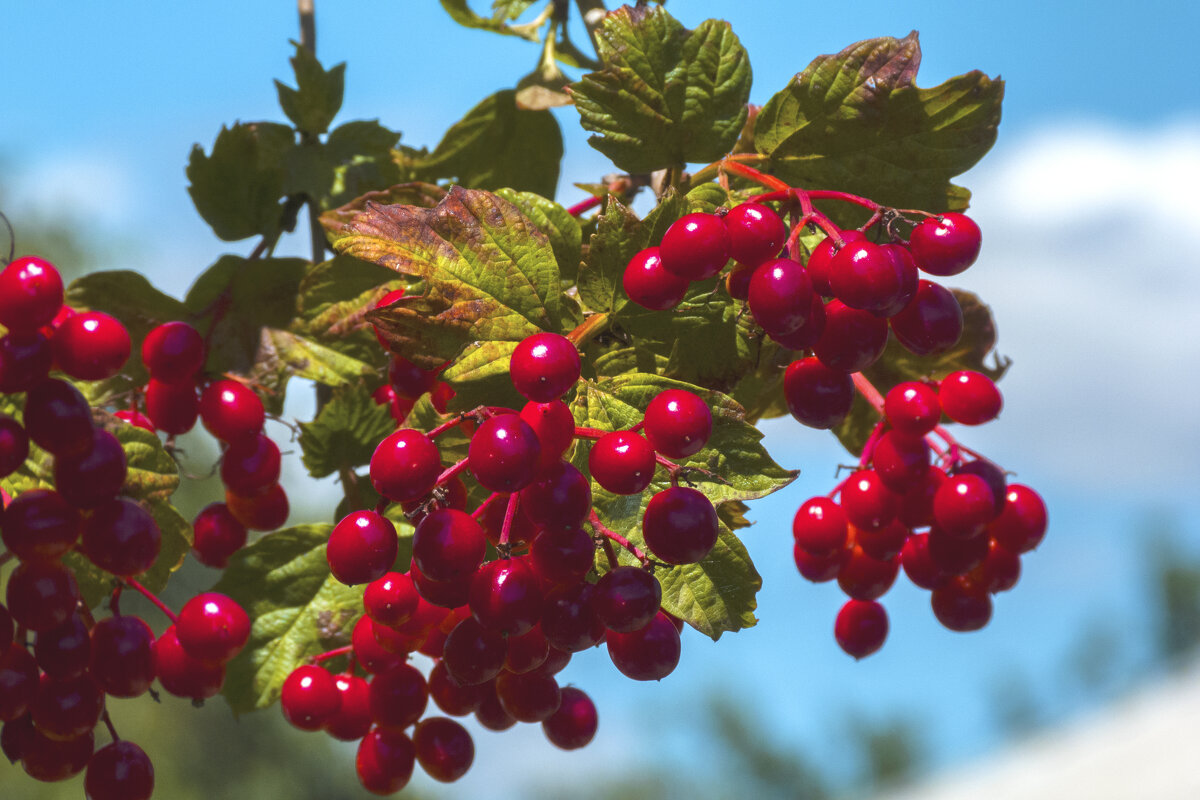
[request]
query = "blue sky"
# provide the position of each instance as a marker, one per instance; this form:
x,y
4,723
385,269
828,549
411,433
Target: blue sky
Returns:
x,y
1090,263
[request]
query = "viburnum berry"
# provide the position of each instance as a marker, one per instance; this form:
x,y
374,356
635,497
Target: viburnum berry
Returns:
x,y
912,408
530,697
569,618
861,627
954,554
883,543
14,735
970,397
780,296
527,652
259,512
544,367
87,480
865,577
505,596
852,340
562,555
756,233
119,771
58,419
907,276
650,285
50,760
820,262
451,697
473,654
67,708
816,395
695,247
946,244
622,462
122,656
362,547
18,681
504,453
999,572
963,506
818,569
42,594
448,545
173,407
560,497
961,605
135,418
444,748
867,276
900,460
1021,525
212,627
39,525
251,465
449,594
91,346
932,322
64,652
391,599
808,334
173,352
25,361
182,674
627,598
916,504
868,503
231,411
737,282
992,475
398,696
368,652
648,654
680,525
919,565
217,535
405,466
554,427
407,379
385,761
820,526
31,293
352,720
677,423
494,510
490,713
574,724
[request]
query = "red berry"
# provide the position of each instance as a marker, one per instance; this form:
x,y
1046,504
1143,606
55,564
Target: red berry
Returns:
x,y
901,460
230,411
450,696
136,418
622,462
449,594
398,697
172,407
868,503
649,285
818,569
31,294
42,594
520,533
816,395
531,697
916,505
504,453
961,606
505,597
780,296
408,380
383,302
756,233
368,652
1021,526
15,736
212,627
122,659
627,598
912,408
91,346
861,627
544,367
173,352
808,334
991,474
695,247
25,361
864,577
947,244
919,564
648,654
217,535
680,525
562,555
932,322
737,282
954,554
554,427
352,720
908,278
852,339
405,466
47,760
259,512
677,423
391,599
569,618
251,465
999,572
448,545
871,277
362,547
970,397
86,481
444,748
820,262
180,673
963,505
58,419
18,681
64,652
120,771
473,654
385,761
68,708
526,652
574,724
490,713
884,543
39,525
560,497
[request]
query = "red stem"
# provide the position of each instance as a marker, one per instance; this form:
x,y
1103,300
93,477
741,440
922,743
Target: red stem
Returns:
x,y
445,426
482,508
872,440
510,513
153,598
584,205
600,527
826,194
450,472
868,391
341,651
114,603
589,433
769,181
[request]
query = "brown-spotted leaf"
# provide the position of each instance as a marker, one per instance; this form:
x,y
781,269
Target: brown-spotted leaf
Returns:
x,y
423,195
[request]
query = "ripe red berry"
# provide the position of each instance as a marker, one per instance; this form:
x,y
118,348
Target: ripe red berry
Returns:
x,y
544,367
756,233
453,593
122,656
368,652
505,596
251,465
816,395
391,599
818,569
212,627
820,262
900,460
259,512
868,503
527,652
49,760
695,247
649,285
569,618
490,713
1021,526
961,605
954,554
120,771
916,505
919,564
560,497
970,397
91,346
173,352
31,294
680,525
963,505
912,408
931,323
678,423
530,697
648,654
991,474
861,627
871,277
622,462
68,708
865,577
450,696
820,526
172,407
25,361
627,598
217,535
405,466
14,737
562,555
385,761
737,282
87,480
780,296
808,334
444,748
852,339
398,697
554,427
947,244
504,453
884,543
18,681
472,653
907,277
408,380
42,594
40,525
58,419
574,724
64,652
362,547
448,545
999,572
230,411
180,673
352,720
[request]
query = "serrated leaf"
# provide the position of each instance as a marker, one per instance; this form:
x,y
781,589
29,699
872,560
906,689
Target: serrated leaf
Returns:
x,y
498,145
237,189
562,229
309,171
479,376
666,95
297,610
361,137
422,330
152,475
345,433
619,236
315,101
283,355
422,195
361,152
856,122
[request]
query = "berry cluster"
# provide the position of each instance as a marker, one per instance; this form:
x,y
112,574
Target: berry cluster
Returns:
x,y
406,381
503,595
52,692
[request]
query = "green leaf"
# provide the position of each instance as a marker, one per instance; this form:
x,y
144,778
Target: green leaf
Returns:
x,y
361,137
461,12
498,145
425,331
619,236
152,475
423,195
562,229
666,95
237,188
345,433
283,355
335,297
318,96
480,376
856,122
297,608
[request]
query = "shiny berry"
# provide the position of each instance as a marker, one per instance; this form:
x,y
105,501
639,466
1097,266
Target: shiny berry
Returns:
x,y
1021,526
67,708
260,512
963,505
780,296
182,674
120,771
451,696
40,525
352,720
868,503
627,598
407,379
448,545
820,262
574,724
861,627
649,285
25,361
820,526
695,247
217,535
91,346
562,555
385,761
18,681
680,525
42,594
212,628
816,395
405,466
853,339
490,713
932,322
756,233
946,244
472,653
505,596
391,599
444,748
970,397
86,481
368,652
900,460
527,652
530,697
65,651
544,367
31,293
49,760
560,497
912,408
122,656
865,577
961,605
818,569
58,419
569,618
251,465
398,697
504,453
231,411
362,547
121,537
622,462
999,572
919,565
172,407
870,277
677,423
554,427
648,654
808,334
173,352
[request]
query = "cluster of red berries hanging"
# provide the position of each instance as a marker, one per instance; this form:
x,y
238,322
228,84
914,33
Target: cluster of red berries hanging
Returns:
x,y
52,692
499,630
